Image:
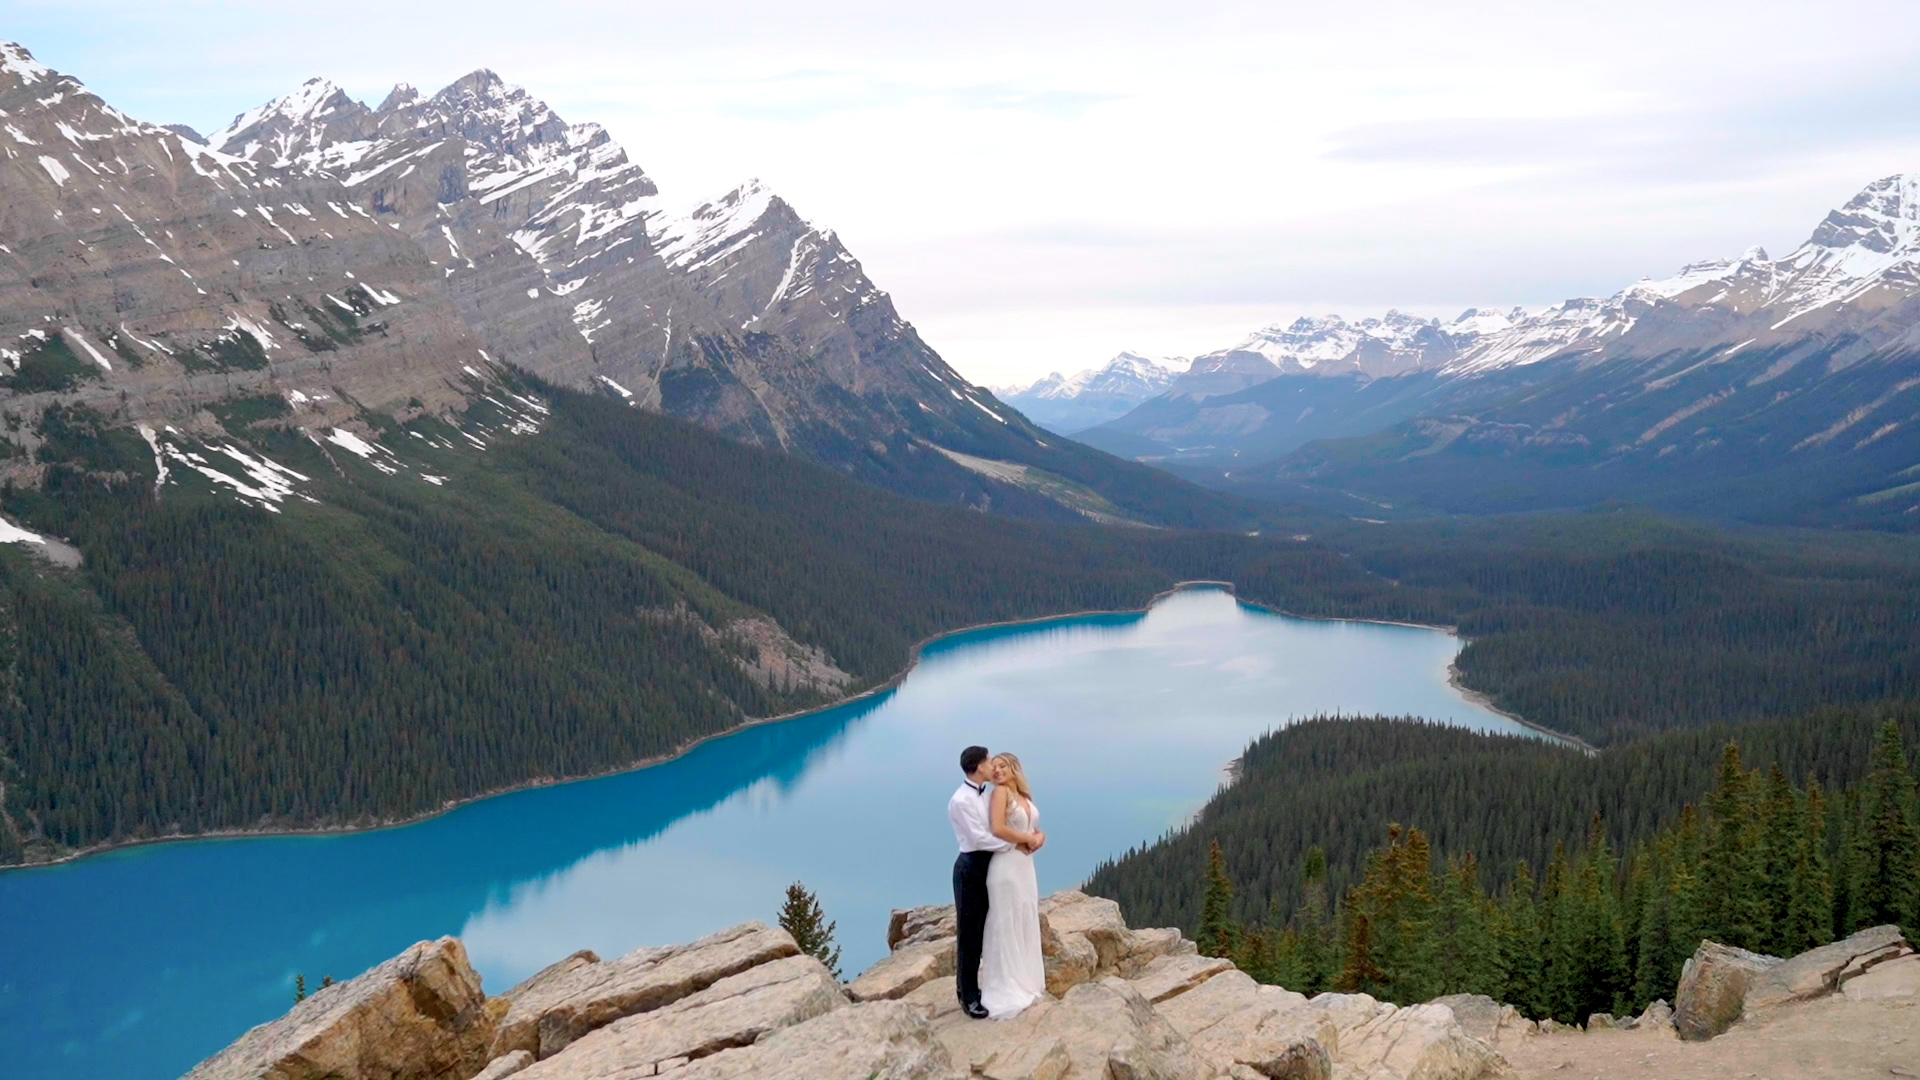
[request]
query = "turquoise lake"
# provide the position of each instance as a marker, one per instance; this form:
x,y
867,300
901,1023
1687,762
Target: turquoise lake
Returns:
x,y
136,964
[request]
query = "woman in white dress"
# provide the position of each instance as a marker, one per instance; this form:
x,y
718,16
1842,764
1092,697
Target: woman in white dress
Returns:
x,y
1012,973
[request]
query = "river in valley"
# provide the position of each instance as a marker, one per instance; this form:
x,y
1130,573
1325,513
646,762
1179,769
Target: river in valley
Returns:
x,y
137,963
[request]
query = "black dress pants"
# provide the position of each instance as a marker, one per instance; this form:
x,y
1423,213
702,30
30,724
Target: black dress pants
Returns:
x,y
970,906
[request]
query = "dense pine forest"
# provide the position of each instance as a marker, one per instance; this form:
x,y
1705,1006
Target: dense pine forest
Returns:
x,y
557,608
1286,871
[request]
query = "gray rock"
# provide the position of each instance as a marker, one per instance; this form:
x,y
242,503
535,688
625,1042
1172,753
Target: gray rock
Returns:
x,y
1171,976
732,1012
913,925
881,1040
1820,970
1233,1022
1094,918
1713,988
1425,1041
502,1067
1895,979
1600,1022
1657,1014
904,970
550,1011
1485,1019
419,1016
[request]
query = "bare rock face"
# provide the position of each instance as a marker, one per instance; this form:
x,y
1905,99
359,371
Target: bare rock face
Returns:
x,y
1170,976
732,1012
1380,1040
145,276
882,1040
913,925
906,969
1895,979
1819,971
1108,1029
554,1008
1487,1020
1713,988
419,1015
506,1065
1230,1020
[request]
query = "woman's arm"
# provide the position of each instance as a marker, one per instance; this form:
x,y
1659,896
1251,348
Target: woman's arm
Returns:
x,y
998,818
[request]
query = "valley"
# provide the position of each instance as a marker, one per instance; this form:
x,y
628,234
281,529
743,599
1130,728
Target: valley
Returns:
x,y
417,520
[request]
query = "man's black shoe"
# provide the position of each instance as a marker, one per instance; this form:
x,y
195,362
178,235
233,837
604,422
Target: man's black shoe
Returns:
x,y
977,1011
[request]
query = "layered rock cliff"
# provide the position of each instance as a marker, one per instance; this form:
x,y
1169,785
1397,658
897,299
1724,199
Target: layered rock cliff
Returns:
x,y
1121,1003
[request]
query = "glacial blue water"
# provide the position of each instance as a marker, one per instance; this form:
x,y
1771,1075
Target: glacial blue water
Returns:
x,y
135,964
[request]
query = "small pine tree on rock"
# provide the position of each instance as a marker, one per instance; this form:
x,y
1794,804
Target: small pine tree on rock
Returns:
x,y
802,917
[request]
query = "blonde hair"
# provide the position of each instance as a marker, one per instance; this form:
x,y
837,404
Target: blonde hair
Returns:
x,y
1016,777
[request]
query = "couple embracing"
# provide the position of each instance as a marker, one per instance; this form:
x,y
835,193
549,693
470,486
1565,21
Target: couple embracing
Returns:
x,y
995,894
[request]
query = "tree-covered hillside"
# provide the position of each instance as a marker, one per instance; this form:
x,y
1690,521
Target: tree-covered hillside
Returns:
x,y
1337,785
600,591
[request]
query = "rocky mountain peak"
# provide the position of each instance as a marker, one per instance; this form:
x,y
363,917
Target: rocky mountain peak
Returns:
x,y
402,95
1882,218
19,68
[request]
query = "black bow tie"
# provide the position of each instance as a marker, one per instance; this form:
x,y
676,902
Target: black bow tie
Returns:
x,y
978,789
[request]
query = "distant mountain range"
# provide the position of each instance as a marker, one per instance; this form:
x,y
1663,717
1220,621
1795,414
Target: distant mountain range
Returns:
x,y
1070,403
1773,389
346,267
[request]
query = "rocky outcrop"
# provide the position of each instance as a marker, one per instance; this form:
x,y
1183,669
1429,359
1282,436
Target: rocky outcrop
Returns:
x,y
1124,1004
1821,971
419,1015
548,1012
733,1012
1713,988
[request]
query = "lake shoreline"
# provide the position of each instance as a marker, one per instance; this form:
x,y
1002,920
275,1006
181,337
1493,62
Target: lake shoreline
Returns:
x,y
913,661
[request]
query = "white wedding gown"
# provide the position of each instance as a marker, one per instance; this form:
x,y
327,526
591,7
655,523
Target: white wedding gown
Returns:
x,y
1012,973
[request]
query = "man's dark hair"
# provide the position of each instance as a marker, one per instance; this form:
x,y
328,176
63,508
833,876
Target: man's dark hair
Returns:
x,y
971,757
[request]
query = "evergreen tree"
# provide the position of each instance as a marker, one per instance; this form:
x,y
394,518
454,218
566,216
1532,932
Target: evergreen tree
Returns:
x,y
1809,918
1313,928
1886,846
1733,875
802,917
1219,934
1783,837
1522,945
1469,961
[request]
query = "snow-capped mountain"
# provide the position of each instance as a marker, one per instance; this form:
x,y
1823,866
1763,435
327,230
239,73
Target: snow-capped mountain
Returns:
x,y
147,277
738,313
1788,388
1068,403
338,267
1330,345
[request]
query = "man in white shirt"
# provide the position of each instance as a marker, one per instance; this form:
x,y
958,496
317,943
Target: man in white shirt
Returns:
x,y
973,829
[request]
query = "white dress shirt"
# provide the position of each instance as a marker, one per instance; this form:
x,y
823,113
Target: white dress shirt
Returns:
x,y
969,812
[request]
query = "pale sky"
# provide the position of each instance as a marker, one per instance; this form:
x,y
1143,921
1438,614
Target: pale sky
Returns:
x,y
1043,185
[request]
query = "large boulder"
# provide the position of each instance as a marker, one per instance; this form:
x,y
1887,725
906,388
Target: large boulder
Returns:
x,y
1492,1022
419,1015
732,1012
909,926
1713,988
1094,918
548,1012
1818,971
1108,1030
904,970
881,1040
1230,1020
1379,1041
